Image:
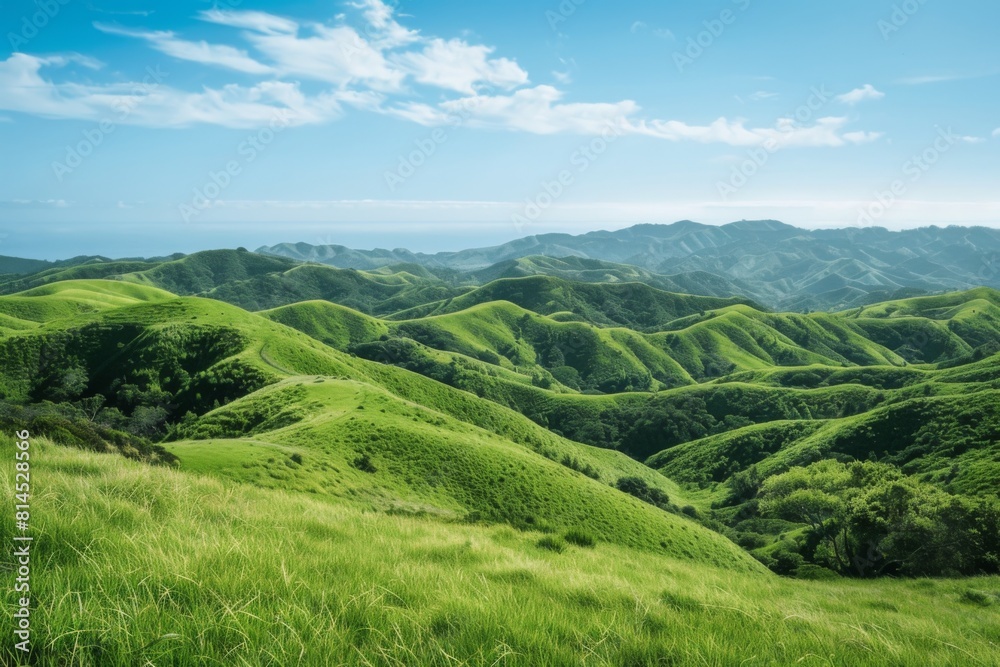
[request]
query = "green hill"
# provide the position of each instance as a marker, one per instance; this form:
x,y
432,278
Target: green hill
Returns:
x,y
494,474
139,358
350,439
144,565
579,269
632,305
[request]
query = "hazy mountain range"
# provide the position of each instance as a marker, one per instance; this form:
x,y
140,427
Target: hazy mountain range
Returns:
x,y
779,265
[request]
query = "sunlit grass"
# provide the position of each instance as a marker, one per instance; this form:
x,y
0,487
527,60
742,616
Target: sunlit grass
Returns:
x,y
137,565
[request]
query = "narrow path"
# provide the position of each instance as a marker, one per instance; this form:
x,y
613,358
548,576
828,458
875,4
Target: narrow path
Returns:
x,y
267,360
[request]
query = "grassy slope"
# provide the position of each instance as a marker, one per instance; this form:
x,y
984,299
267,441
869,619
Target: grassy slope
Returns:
x,y
183,569
579,269
92,270
613,359
71,298
332,324
426,461
634,305
949,439
153,334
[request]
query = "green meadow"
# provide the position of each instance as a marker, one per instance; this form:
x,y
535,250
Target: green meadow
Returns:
x,y
139,565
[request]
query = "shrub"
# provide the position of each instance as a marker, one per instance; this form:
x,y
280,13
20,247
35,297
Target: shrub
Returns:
x,y
580,538
980,598
691,511
364,464
636,486
574,463
552,544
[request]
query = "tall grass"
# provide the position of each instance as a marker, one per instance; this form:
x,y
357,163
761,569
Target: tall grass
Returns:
x,y
146,566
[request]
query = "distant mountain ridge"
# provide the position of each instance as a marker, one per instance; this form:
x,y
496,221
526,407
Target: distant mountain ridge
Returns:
x,y
783,266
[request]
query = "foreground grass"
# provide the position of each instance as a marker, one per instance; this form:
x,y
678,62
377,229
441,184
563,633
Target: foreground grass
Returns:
x,y
145,566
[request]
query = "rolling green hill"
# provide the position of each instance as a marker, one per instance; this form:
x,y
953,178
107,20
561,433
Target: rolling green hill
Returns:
x,y
710,345
633,305
139,357
578,269
432,486
254,282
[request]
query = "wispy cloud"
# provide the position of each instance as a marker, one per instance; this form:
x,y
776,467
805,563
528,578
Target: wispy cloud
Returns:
x,y
787,133
564,78
381,67
117,12
35,203
250,20
158,106
539,110
762,95
167,42
862,94
996,133
638,27
459,66
926,79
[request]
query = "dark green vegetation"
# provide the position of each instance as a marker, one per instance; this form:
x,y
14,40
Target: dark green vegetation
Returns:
x,y
405,468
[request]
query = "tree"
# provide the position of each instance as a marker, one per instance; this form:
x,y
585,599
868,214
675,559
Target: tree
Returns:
x,y
868,519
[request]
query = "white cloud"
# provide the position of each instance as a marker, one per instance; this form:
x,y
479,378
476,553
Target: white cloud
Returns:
x,y
564,78
257,21
201,52
63,59
457,65
385,31
996,133
862,137
926,79
368,67
762,95
826,132
972,140
539,110
337,55
864,93
157,105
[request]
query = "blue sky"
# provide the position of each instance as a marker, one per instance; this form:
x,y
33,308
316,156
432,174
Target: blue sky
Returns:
x,y
445,124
